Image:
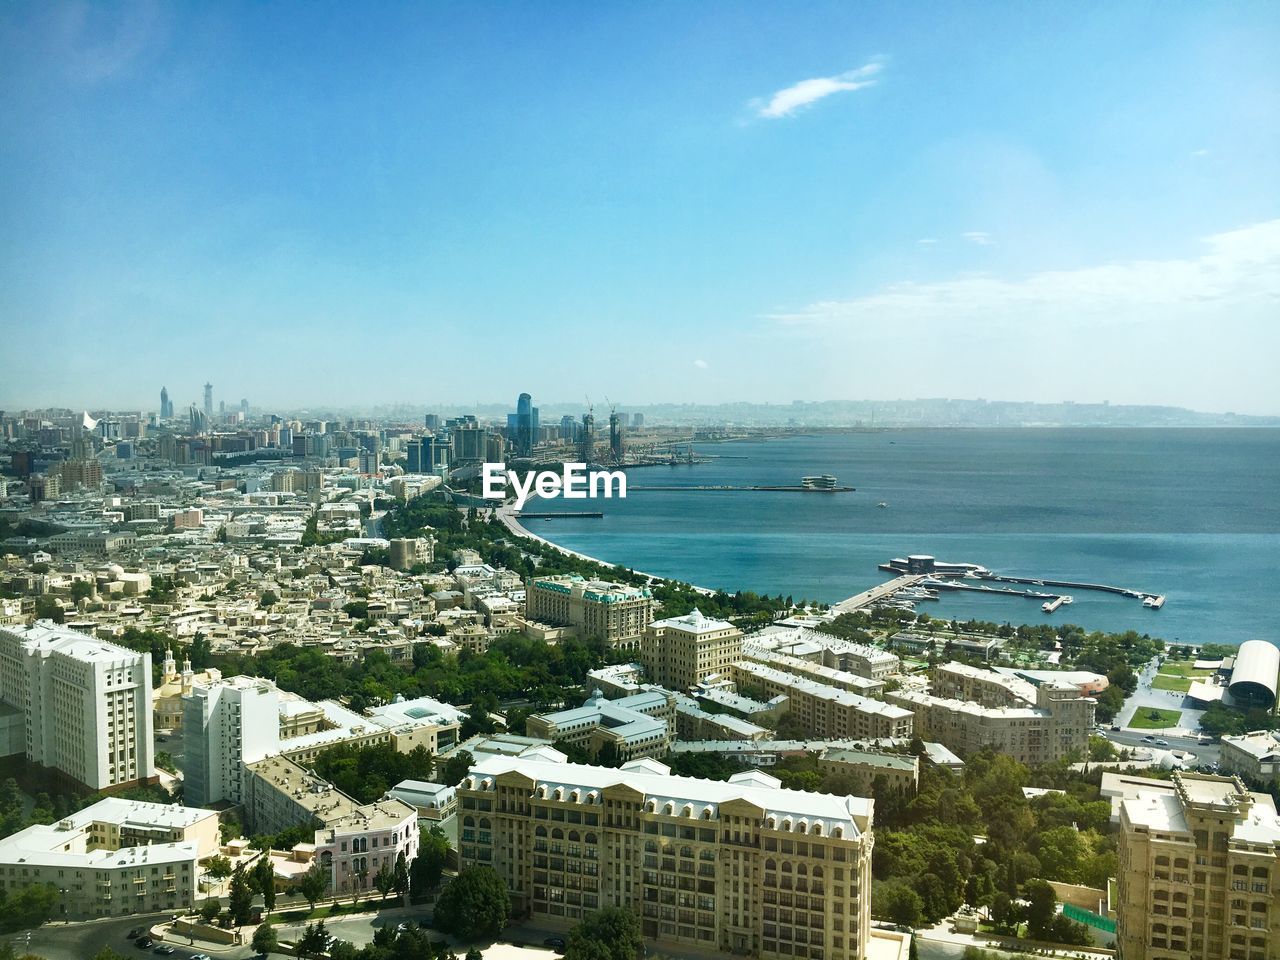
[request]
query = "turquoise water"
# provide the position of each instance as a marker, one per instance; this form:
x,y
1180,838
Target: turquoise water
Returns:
x,y
1192,514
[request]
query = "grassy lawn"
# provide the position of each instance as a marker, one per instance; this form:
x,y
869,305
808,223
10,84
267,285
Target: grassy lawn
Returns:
x,y
1163,719
1183,668
1163,681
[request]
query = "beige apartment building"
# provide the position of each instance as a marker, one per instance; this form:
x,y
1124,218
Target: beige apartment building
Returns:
x,y
828,712
741,866
1198,868
114,858
1056,726
680,652
613,612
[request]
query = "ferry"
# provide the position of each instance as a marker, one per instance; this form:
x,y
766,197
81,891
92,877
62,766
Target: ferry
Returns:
x,y
822,482
882,505
1153,603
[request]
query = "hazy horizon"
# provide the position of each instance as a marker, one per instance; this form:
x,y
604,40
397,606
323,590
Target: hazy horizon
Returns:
x,y
315,206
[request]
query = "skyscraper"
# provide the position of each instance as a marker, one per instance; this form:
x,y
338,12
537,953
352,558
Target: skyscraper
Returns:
x,y
208,400
615,437
523,426
587,443
568,428
166,405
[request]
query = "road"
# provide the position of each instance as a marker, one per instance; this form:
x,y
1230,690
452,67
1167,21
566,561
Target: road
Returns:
x,y
80,941
1146,695
867,597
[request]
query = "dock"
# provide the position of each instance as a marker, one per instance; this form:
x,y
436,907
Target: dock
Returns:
x,y
525,515
868,597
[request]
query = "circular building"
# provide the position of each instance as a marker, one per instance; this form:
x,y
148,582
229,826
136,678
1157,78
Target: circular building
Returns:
x,y
1254,676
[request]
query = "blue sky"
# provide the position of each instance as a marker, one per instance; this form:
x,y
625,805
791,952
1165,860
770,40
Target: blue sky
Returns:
x,y
367,203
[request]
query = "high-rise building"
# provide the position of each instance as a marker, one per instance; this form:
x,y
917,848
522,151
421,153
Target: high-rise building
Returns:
x,y
226,724
86,704
1199,862
587,439
637,421
470,443
244,408
739,867
166,405
431,421
523,428
208,400
680,652
615,436
568,429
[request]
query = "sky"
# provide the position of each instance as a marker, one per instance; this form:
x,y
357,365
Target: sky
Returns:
x,y
376,203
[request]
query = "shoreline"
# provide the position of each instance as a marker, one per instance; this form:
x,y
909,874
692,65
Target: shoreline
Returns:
x,y
506,515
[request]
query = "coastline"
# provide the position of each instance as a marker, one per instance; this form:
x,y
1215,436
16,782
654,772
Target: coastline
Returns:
x,y
506,515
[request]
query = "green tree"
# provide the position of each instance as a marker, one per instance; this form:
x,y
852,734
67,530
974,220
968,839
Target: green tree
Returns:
x,y
268,599
615,930
209,910
456,767
264,881
106,953
1040,910
313,942
27,907
474,905
898,902
219,868
313,885
401,874
264,939
240,900
384,881
429,864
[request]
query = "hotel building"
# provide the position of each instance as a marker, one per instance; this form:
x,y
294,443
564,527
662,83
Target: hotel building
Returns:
x,y
612,612
680,652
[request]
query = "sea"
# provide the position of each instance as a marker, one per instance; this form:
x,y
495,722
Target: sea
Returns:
x,y
1193,514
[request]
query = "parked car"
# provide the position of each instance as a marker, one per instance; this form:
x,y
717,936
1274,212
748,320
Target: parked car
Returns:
x,y
555,943
144,943
137,932
200,956
163,950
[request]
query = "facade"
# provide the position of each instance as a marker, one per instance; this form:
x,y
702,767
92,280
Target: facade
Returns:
x,y
612,612
1057,725
828,712
1198,869
831,676
741,866
86,704
1254,755
174,685
681,652
830,651
959,681
114,858
639,725
409,552
225,725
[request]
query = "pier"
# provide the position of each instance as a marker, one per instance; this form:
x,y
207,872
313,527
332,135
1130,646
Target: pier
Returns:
x,y
868,597
735,489
525,515
1070,585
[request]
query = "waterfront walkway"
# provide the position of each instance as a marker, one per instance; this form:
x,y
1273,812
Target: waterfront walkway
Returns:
x,y
868,597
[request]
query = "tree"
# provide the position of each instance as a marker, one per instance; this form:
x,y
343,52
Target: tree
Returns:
x,y
313,884
264,939
209,910
899,903
28,907
313,942
240,900
268,599
1040,910
474,905
106,953
219,868
401,874
264,881
615,930
433,854
456,767
384,881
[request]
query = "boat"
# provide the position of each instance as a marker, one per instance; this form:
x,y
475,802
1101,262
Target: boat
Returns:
x,y
1049,606
823,481
1153,603
882,505
1066,600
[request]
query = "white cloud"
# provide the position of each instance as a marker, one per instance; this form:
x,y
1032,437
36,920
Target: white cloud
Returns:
x,y
979,237
787,101
927,241
701,364
1240,270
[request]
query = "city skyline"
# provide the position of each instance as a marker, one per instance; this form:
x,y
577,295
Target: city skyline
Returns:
x,y
664,200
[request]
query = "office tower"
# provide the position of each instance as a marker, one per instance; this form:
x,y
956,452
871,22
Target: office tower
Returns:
x,y
739,867
244,409
166,405
86,704
470,443
587,441
524,427
226,724
615,437
208,400
414,462
1198,868
612,612
568,429
431,421
680,652
637,421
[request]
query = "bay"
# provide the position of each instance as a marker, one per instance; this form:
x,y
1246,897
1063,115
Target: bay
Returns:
x,y
1192,514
